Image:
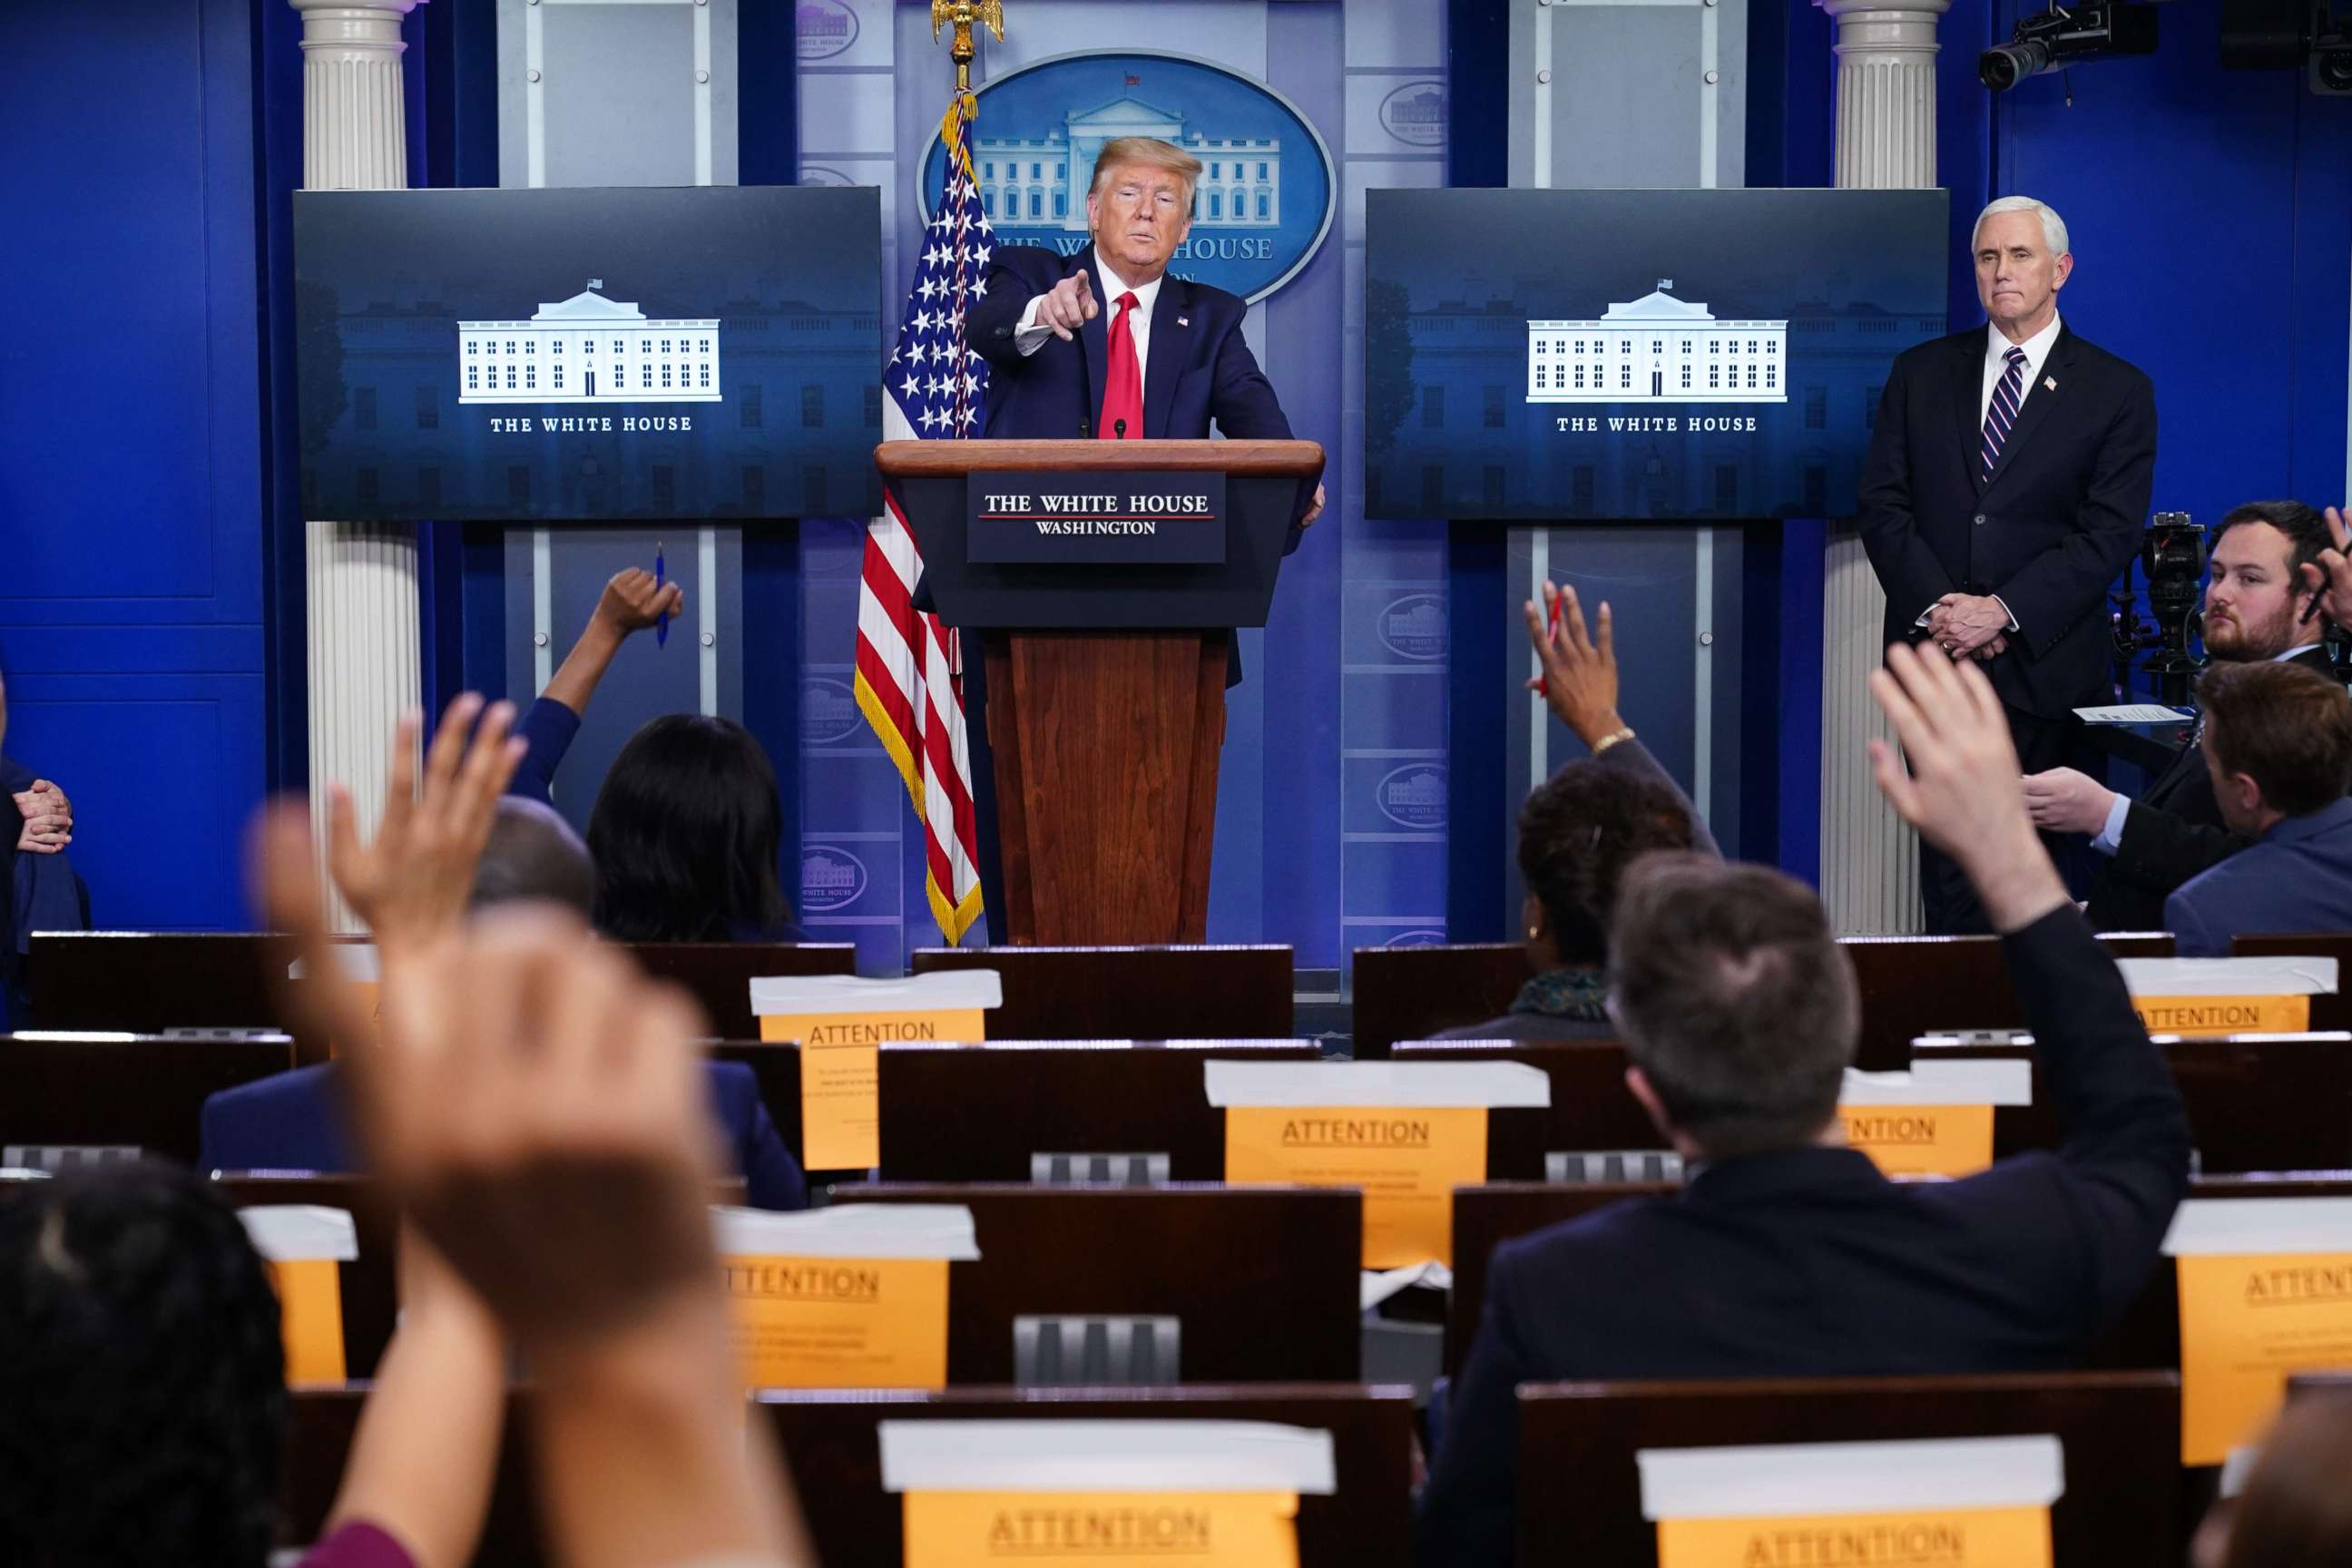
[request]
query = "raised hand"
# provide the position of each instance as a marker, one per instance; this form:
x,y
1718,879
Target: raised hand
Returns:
x,y
1962,791
536,1104
1580,672
1069,306
412,883
631,602
2331,576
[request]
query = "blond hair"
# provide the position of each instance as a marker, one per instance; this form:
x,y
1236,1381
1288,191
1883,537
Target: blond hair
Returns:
x,y
1150,151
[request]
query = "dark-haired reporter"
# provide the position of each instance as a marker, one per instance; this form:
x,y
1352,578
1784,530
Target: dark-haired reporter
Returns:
x,y
1580,828
1789,1255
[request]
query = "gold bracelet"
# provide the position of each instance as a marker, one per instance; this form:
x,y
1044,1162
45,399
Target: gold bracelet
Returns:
x,y
1610,739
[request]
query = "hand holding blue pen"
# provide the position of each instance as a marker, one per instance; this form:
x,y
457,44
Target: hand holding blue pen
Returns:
x,y
661,626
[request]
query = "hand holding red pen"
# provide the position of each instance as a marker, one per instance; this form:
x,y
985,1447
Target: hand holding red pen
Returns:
x,y
1579,669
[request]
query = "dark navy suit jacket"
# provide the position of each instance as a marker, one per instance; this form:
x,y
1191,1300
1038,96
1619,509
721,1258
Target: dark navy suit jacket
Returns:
x,y
38,893
2170,833
1199,367
2064,510
293,1122
2295,877
1809,1263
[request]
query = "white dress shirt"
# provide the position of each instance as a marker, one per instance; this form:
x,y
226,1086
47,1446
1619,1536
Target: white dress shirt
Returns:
x,y
2111,836
1996,365
1108,286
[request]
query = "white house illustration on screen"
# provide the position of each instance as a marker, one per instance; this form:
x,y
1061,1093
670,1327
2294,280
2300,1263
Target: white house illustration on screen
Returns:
x,y
589,349
1657,349
1041,181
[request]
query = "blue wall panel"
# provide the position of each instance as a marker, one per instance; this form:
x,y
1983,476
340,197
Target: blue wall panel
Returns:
x,y
130,613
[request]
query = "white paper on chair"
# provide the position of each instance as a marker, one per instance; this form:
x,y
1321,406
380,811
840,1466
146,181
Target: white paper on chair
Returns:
x,y
2134,714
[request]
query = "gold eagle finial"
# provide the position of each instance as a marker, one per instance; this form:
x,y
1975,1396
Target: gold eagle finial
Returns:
x,y
962,15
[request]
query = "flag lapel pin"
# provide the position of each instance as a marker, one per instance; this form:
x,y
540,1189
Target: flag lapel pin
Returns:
x,y
2051,381
1183,321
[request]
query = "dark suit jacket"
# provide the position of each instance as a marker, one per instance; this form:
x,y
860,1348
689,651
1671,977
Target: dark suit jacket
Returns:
x,y
293,1122
2062,513
2296,878
38,893
1199,368
2170,833
1809,1263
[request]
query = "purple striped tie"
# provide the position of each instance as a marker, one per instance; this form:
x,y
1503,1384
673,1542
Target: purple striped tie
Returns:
x,y
2003,412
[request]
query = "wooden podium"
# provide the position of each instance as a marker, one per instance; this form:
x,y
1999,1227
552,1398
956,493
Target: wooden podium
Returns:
x,y
1105,677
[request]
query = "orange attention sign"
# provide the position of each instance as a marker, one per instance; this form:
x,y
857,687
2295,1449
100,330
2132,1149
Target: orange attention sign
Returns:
x,y
842,1022
855,1295
2226,995
1104,1530
1935,1120
1950,1538
304,1247
1123,1493
2265,1292
2195,1016
1406,1160
1960,1502
1404,1133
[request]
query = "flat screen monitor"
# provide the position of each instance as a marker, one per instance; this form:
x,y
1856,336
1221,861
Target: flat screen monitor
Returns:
x,y
1545,356
578,355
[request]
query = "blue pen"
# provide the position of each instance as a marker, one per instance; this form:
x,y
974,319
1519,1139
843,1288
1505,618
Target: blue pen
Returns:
x,y
661,626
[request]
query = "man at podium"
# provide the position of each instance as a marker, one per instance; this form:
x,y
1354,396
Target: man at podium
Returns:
x,y
1104,344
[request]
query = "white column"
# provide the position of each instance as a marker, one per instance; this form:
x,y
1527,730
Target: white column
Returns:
x,y
1885,140
360,580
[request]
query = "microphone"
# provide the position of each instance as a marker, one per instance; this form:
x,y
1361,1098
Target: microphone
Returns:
x,y
1118,429
1086,428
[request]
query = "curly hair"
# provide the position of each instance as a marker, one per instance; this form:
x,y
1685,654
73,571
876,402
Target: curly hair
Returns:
x,y
1578,832
141,1374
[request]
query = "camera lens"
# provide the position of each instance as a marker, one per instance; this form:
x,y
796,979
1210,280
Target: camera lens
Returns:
x,y
2331,70
2003,66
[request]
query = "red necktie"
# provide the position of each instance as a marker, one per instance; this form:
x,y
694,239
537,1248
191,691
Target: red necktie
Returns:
x,y
1123,382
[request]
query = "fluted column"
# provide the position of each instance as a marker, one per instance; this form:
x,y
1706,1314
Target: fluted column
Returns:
x,y
1886,140
364,670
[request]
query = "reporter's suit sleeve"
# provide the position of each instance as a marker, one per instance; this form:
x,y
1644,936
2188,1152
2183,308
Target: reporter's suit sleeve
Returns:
x,y
1469,1510
2123,1165
1913,579
2052,591
548,728
2159,851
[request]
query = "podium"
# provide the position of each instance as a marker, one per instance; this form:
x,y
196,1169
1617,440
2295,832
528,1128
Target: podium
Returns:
x,y
1106,628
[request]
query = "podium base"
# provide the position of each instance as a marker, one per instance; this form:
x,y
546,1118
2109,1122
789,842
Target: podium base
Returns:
x,y
1106,747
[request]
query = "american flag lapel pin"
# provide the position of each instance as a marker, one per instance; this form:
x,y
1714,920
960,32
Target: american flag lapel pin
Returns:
x,y
1183,321
2051,381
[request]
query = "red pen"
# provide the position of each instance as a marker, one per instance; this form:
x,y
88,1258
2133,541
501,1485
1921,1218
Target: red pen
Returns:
x,y
1551,628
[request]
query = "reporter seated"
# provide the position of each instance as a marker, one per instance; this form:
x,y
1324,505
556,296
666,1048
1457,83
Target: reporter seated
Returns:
x,y
293,1122
2277,742
1580,829
1789,1255
143,1377
2295,1510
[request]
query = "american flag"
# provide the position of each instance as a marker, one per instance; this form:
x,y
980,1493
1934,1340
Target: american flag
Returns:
x,y
909,669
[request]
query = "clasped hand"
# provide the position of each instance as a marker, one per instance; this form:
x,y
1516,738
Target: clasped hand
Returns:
x,y
1969,626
